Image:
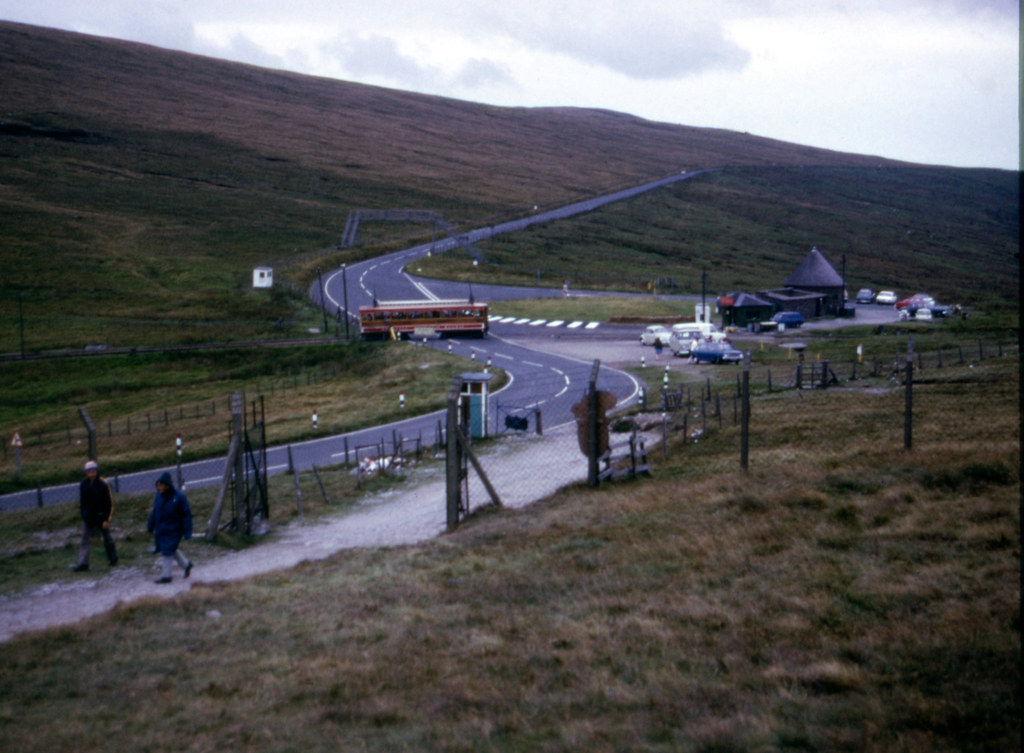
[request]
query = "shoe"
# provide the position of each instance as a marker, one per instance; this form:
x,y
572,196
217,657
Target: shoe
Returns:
x,y
188,568
79,568
162,580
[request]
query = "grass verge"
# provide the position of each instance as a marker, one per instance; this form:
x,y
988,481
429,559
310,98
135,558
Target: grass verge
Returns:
x,y
140,403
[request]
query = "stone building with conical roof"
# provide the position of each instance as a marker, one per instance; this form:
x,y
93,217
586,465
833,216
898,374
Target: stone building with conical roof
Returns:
x,y
814,289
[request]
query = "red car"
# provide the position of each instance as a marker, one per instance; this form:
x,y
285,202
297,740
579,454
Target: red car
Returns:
x,y
916,301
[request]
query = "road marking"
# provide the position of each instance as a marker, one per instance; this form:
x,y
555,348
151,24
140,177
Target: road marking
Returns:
x,y
574,325
504,355
537,322
531,363
422,288
522,321
593,325
556,323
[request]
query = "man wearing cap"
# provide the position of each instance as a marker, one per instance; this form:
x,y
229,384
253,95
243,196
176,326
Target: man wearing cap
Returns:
x,y
96,505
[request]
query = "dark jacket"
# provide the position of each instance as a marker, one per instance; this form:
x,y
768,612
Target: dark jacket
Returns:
x,y
171,519
95,502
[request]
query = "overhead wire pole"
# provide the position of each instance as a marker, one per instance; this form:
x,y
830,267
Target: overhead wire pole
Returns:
x,y
21,322
344,288
323,301
703,294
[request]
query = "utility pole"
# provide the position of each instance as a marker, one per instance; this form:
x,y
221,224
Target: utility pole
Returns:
x,y
703,293
842,303
323,301
21,323
344,286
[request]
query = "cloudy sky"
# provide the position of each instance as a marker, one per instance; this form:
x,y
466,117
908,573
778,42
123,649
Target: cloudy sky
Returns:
x,y
931,81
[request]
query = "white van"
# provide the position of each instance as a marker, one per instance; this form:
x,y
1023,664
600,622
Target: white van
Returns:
x,y
686,332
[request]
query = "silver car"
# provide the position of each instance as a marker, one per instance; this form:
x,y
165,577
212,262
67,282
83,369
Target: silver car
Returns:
x,y
654,333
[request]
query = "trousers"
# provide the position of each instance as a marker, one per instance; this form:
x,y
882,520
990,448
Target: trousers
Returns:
x,y
167,562
108,544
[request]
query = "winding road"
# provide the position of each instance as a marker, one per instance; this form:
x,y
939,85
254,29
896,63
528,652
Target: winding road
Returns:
x,y
538,380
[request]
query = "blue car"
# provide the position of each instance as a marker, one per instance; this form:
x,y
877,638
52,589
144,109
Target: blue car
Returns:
x,y
712,352
789,318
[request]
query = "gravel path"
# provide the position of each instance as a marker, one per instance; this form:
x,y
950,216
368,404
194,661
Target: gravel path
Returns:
x,y
522,470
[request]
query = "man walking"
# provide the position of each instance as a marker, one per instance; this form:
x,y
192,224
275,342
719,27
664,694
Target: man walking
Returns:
x,y
96,505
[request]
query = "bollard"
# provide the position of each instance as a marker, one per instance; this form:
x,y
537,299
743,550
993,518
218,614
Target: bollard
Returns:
x,y
315,419
401,399
643,362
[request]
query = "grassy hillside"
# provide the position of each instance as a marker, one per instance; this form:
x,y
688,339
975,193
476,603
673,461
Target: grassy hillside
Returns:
x,y
955,233
844,595
140,185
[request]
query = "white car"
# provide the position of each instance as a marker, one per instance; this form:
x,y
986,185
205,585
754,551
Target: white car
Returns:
x,y
886,298
681,339
654,333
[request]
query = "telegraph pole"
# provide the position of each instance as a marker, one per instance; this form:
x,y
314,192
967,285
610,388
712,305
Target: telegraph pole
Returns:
x,y
323,301
21,323
344,286
703,293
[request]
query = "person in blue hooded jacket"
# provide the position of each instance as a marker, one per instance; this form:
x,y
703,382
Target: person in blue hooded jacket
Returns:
x,y
170,522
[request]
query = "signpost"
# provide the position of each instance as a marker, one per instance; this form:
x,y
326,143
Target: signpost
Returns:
x,y
16,443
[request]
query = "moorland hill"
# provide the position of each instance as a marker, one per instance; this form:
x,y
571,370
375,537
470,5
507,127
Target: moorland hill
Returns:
x,y
140,185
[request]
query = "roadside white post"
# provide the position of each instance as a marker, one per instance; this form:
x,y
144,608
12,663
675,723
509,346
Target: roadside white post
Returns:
x,y
181,481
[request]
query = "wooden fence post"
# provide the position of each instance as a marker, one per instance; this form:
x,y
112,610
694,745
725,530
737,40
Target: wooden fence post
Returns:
x,y
453,464
745,420
908,409
592,442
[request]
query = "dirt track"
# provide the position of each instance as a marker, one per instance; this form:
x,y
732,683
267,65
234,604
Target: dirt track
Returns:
x,y
413,514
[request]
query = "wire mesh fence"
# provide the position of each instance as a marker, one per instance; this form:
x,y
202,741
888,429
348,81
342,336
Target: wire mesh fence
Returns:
x,y
790,407
950,402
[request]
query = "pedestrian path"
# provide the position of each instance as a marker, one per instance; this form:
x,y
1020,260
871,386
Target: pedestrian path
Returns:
x,y
530,322
522,469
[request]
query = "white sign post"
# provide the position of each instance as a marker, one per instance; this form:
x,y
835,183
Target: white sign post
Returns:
x,y
16,443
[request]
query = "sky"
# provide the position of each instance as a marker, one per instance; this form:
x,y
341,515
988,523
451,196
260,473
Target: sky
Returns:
x,y
928,81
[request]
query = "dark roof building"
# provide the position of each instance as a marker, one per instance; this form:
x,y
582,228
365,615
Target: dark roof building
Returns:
x,y
814,289
740,309
815,273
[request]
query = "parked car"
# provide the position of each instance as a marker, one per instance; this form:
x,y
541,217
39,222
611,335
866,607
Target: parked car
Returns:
x,y
716,352
865,295
654,333
789,318
915,302
886,298
684,333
